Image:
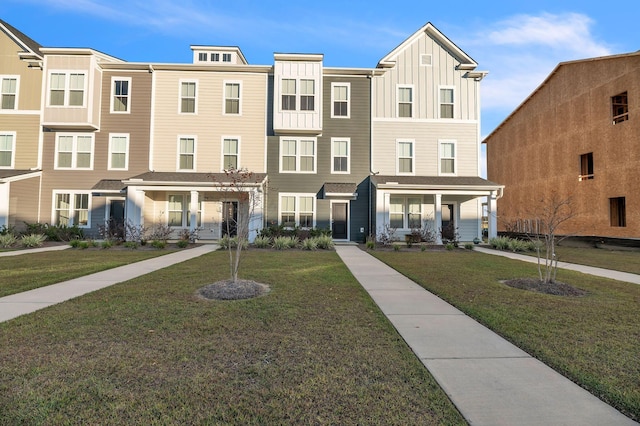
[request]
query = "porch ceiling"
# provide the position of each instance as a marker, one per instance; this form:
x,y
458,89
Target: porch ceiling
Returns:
x,y
444,183
191,179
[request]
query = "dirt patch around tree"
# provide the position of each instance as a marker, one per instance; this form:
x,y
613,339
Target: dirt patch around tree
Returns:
x,y
230,290
556,289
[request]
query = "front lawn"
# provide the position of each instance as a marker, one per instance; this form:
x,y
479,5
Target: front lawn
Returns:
x,y
594,340
315,350
28,271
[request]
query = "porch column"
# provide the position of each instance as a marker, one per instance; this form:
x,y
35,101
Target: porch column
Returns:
x,y
256,212
134,209
193,212
4,204
437,207
492,210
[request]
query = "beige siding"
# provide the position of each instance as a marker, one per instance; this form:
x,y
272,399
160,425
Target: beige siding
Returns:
x,y
426,137
23,202
27,129
209,125
426,81
30,79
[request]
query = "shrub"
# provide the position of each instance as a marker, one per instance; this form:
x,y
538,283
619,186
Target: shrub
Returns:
x,y
131,245
396,247
387,235
517,245
423,248
450,246
159,244
534,245
182,243
83,244
262,241
7,240
7,230
227,242
106,244
325,242
371,243
32,240
161,232
500,243
293,242
281,243
468,246
310,244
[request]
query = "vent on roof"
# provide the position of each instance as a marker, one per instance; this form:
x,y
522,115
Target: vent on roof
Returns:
x,y
425,60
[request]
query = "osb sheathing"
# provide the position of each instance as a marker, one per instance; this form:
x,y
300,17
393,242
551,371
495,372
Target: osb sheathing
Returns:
x,y
536,151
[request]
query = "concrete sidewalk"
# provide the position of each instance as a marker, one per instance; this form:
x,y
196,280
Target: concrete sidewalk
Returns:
x,y
30,301
491,381
34,250
600,272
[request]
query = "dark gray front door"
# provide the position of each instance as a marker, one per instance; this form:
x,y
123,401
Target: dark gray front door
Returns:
x,y
229,218
339,221
116,218
448,222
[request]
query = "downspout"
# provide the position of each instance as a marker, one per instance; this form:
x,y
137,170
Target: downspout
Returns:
x,y
371,173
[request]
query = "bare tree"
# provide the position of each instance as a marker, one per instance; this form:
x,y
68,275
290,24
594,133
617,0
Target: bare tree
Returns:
x,y
547,217
242,187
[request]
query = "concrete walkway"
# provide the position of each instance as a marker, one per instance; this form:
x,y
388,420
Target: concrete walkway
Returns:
x,y
491,381
600,272
30,301
34,250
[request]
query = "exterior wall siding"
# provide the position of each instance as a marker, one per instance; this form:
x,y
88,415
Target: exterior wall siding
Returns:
x,y
23,202
536,151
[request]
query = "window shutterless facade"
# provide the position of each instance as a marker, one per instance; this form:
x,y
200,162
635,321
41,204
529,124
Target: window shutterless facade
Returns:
x,y
586,167
405,102
288,94
232,92
118,151
618,212
120,94
67,88
405,212
230,153
446,102
186,153
447,154
620,108
405,158
340,96
179,215
297,155
307,95
7,150
9,92
71,208
74,151
340,148
297,210
188,95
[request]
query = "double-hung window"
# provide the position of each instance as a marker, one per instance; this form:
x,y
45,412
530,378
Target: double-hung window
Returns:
x,y
288,94
118,151
179,215
186,153
188,97
9,92
297,210
307,95
120,94
340,155
405,101
74,151
446,102
405,212
298,155
71,208
405,157
447,158
230,153
7,151
340,93
232,98
67,89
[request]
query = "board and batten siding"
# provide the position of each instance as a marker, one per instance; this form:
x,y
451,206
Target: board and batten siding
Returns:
x,y
209,125
426,82
426,137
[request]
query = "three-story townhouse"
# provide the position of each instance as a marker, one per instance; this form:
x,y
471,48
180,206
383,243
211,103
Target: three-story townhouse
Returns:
x,y
426,141
20,132
208,117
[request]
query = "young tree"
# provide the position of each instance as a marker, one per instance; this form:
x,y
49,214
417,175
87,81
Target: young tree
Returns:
x,y
244,188
548,216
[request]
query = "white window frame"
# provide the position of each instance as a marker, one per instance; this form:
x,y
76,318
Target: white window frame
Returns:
x,y
74,151
454,158
333,156
333,100
15,102
298,94
413,156
113,95
13,149
312,95
294,94
440,103
110,165
226,57
215,57
67,88
186,213
296,211
406,210
178,153
298,155
72,209
412,103
195,96
222,153
224,97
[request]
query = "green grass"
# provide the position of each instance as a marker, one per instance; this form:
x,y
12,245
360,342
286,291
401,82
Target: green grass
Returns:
x,y
593,340
29,271
625,261
315,350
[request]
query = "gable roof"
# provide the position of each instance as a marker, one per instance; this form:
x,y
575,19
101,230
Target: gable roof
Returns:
x,y
29,45
466,62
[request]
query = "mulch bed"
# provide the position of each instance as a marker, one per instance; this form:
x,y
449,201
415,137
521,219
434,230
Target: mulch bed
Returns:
x,y
556,289
230,290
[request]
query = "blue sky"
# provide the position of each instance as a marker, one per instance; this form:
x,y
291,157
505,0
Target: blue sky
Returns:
x,y
519,43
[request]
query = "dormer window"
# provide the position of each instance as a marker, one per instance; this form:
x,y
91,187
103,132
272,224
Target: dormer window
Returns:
x,y
288,94
215,57
202,56
226,57
307,95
